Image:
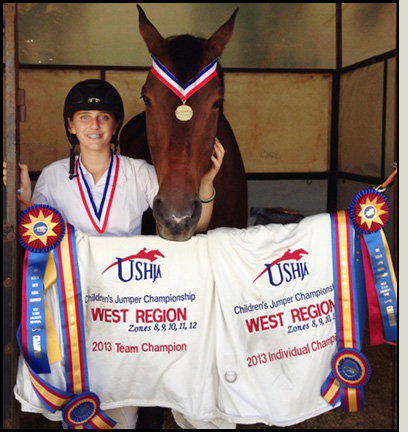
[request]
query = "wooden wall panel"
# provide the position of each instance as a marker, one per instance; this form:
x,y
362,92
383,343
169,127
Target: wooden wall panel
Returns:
x,y
360,125
281,121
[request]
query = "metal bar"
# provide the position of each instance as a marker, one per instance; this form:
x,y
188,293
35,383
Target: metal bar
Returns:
x,y
394,350
335,114
370,61
11,268
384,170
230,70
11,79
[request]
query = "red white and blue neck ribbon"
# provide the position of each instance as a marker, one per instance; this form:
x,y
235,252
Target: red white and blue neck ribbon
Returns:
x,y
183,91
99,216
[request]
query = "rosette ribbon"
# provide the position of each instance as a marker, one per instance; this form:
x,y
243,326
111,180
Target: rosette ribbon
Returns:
x,y
369,212
42,229
363,276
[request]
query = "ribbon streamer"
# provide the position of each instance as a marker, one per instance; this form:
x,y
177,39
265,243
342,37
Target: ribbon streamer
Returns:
x,y
350,369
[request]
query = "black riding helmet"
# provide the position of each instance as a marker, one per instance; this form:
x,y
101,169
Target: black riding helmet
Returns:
x,y
92,94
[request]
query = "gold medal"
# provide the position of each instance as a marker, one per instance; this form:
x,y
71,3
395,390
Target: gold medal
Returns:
x,y
184,112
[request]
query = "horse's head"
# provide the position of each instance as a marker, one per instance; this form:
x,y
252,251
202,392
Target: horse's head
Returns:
x,y
181,149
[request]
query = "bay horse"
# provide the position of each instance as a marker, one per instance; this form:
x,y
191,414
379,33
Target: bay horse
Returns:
x,y
181,150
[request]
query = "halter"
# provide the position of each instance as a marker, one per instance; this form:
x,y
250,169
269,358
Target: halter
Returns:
x,y
183,91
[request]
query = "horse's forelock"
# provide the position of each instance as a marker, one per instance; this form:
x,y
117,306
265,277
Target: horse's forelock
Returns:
x,y
186,53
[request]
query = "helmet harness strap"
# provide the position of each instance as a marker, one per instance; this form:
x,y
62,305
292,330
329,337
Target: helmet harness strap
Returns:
x,y
72,162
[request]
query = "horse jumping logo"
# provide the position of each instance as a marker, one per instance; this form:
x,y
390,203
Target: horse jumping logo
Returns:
x,y
142,254
287,256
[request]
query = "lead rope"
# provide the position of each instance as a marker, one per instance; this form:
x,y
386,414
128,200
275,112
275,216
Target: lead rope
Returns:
x,y
382,187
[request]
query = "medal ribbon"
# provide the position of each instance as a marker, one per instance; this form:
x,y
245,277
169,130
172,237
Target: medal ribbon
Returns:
x,y
183,91
99,217
77,398
350,316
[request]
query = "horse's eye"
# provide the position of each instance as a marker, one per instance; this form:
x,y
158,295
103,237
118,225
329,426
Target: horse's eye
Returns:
x,y
146,100
218,104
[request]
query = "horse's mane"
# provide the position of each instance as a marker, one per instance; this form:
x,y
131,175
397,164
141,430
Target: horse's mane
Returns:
x,y
186,53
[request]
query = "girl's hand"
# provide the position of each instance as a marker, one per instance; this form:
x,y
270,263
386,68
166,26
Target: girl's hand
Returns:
x,y
207,192
217,159
25,182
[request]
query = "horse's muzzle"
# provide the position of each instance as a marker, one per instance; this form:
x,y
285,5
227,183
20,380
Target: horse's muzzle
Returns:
x,y
176,224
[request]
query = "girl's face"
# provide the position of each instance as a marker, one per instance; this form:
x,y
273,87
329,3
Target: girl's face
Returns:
x,y
94,129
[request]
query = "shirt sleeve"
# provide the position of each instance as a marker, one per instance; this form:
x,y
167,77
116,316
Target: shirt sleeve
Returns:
x,y
151,183
40,194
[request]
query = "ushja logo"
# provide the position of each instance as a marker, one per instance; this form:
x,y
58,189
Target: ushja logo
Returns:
x,y
139,266
288,271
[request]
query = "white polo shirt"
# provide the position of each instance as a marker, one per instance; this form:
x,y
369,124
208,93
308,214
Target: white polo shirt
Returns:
x,y
135,189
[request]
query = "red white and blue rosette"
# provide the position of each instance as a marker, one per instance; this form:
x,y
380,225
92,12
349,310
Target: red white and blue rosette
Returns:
x,y
369,211
40,228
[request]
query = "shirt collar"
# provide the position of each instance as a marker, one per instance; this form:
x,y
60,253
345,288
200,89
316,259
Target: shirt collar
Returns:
x,y
88,175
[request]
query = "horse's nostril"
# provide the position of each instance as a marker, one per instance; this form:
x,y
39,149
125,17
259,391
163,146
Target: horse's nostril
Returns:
x,y
197,210
158,209
157,203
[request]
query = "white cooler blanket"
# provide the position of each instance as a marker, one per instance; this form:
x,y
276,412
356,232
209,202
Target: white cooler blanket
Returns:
x,y
187,326
276,332
149,325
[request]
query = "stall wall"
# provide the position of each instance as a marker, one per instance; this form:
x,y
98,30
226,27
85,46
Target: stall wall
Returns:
x,y
283,127
367,133
368,29
279,84
367,101
366,127
266,35
282,120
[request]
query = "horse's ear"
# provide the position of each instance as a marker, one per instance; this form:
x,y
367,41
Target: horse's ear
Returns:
x,y
154,40
218,41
